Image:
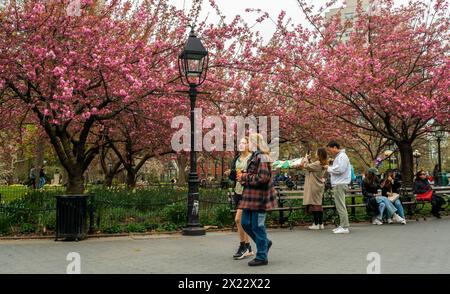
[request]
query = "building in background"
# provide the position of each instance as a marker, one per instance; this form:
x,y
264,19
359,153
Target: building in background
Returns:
x,y
348,12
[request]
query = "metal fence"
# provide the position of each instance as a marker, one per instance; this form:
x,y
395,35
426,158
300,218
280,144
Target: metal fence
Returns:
x,y
110,210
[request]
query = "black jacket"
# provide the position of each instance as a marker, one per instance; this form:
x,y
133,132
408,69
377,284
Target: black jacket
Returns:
x,y
421,186
369,192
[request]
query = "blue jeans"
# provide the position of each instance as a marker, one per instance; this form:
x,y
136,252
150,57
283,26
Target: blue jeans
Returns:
x,y
253,224
400,211
385,204
41,183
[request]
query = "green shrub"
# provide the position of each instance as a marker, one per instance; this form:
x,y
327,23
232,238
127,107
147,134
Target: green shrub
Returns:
x,y
114,229
27,228
5,225
151,226
295,217
175,213
48,220
135,228
272,217
167,227
118,214
222,216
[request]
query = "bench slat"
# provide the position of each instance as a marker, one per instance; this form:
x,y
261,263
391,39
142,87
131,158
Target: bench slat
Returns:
x,y
290,197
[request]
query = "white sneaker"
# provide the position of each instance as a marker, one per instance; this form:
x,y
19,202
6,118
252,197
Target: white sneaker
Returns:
x,y
314,227
390,221
377,222
398,219
403,222
322,227
341,230
336,229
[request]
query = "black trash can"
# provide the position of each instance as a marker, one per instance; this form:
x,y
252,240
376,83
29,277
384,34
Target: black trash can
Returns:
x,y
71,217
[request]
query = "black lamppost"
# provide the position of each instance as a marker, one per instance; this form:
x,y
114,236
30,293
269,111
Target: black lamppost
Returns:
x,y
216,162
388,154
439,133
193,65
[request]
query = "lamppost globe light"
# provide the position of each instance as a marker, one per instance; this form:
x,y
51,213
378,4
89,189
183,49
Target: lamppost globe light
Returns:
x,y
387,154
416,155
193,61
439,132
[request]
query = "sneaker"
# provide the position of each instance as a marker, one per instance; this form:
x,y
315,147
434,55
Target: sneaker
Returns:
x,y
314,227
397,218
377,222
257,262
242,252
342,230
250,252
403,222
337,229
322,227
390,221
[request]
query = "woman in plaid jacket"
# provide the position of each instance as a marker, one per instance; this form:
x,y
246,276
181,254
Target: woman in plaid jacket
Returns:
x,y
257,197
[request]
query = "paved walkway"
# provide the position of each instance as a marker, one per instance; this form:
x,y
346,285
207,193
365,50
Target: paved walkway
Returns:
x,y
418,247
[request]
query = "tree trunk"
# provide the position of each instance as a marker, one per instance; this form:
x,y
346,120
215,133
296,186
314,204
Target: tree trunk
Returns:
x,y
109,179
131,178
406,154
182,163
75,184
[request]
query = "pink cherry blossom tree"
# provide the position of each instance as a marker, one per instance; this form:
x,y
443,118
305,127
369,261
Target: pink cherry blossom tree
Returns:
x,y
389,78
76,73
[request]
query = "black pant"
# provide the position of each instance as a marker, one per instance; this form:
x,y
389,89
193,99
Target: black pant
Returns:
x,y
436,204
318,217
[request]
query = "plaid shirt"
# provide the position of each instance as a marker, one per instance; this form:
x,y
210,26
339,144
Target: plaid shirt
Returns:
x,y
259,193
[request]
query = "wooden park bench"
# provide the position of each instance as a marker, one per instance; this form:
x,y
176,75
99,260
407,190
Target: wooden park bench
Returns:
x,y
414,206
290,200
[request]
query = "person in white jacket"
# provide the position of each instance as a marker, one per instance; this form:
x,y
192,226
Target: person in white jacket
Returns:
x,y
340,173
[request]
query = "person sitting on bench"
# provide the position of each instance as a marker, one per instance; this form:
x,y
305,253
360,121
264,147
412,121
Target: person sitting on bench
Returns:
x,y
424,192
370,187
390,189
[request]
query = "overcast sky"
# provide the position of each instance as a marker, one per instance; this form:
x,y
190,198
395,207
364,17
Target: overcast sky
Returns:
x,y
233,7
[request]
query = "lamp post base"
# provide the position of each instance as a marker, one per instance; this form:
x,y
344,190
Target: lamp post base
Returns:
x,y
194,231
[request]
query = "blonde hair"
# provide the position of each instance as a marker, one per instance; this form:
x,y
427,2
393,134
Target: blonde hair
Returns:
x,y
256,139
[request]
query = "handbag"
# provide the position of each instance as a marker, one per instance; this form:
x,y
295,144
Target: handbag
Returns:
x,y
425,196
394,197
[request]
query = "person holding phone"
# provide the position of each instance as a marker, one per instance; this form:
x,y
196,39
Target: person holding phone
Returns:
x,y
315,186
340,179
